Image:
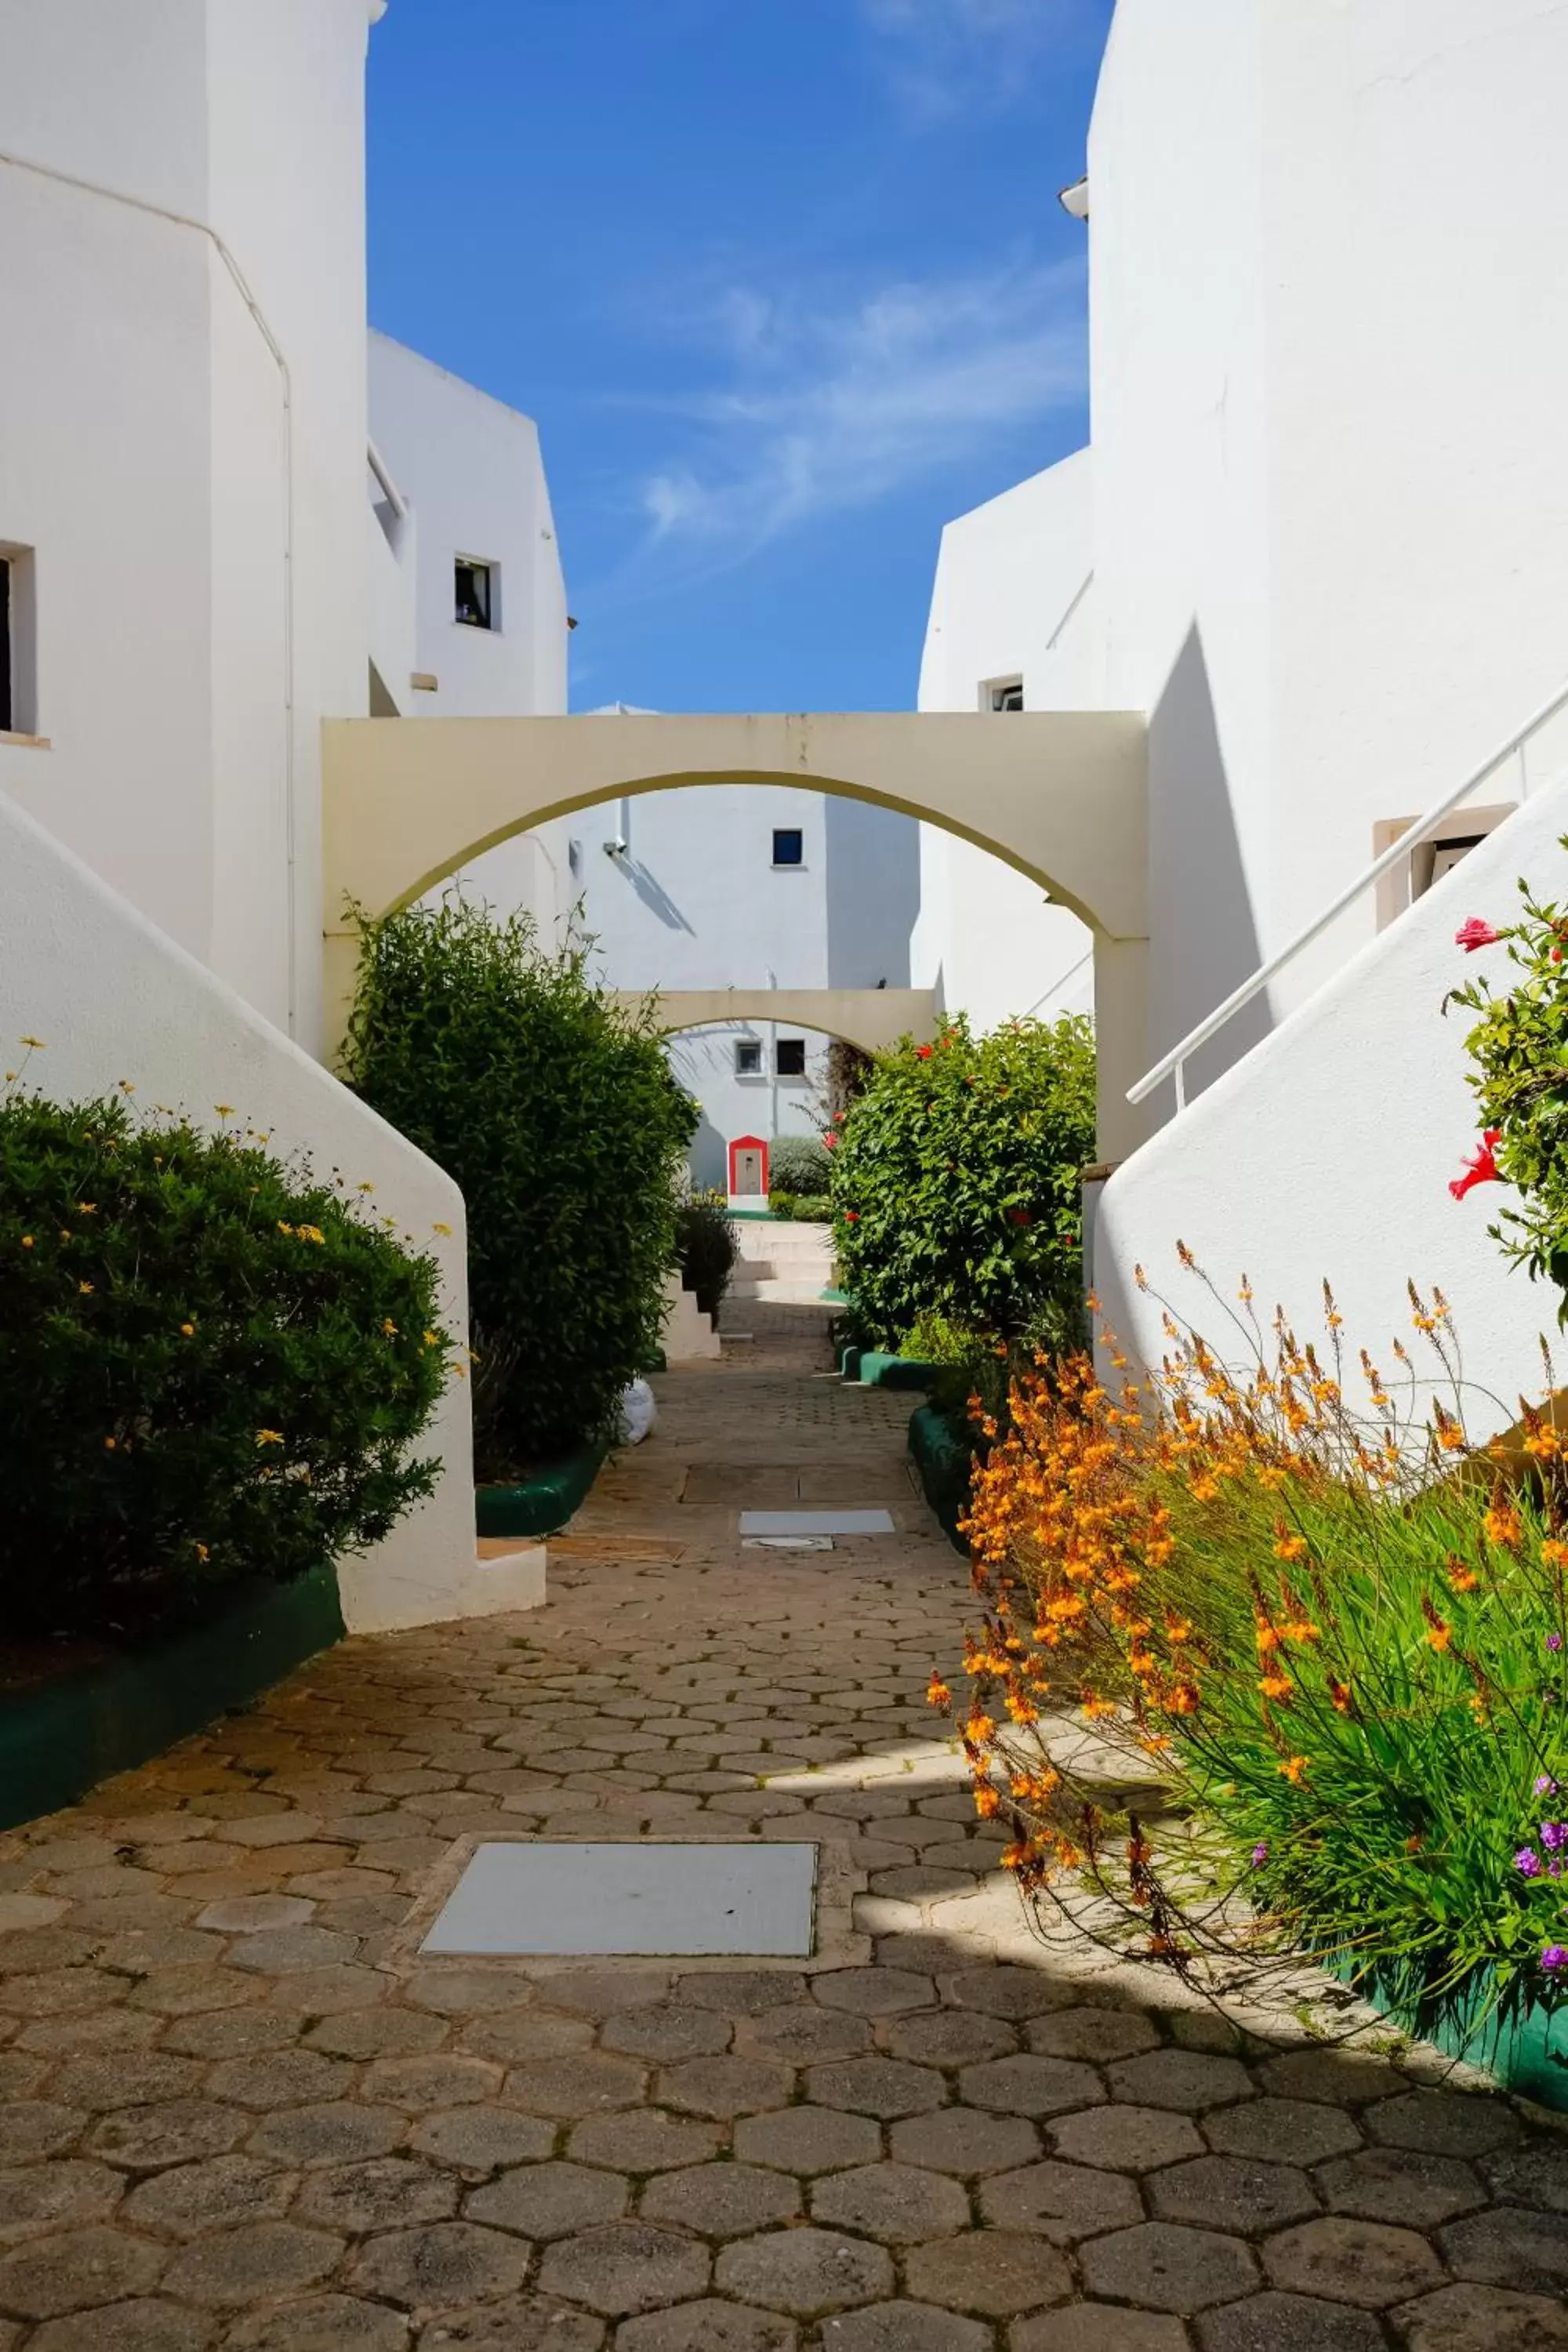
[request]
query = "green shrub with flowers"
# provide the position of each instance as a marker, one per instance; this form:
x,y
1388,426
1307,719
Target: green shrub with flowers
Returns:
x,y
213,1368
956,1184
1518,1046
1323,1634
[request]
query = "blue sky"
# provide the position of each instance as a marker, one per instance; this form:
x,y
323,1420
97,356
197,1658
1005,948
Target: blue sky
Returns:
x,y
784,283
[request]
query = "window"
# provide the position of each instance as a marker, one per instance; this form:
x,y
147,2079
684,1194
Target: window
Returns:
x,y
1002,694
789,846
476,600
790,1057
18,695
748,1058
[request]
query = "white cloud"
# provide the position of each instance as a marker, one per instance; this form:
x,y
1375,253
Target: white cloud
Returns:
x,y
950,56
825,411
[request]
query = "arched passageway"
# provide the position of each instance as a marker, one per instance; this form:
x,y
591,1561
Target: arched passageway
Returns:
x,y
871,1018
1060,795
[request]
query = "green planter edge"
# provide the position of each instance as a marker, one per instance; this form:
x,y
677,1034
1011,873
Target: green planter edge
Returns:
x,y
541,1503
875,1370
57,1742
944,1465
1527,2053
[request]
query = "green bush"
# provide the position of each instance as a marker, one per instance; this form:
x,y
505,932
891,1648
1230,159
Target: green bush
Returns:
x,y
798,1164
956,1182
1518,1046
557,1114
211,1368
708,1247
811,1208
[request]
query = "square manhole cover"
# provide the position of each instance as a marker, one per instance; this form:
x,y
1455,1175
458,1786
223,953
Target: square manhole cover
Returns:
x,y
642,1901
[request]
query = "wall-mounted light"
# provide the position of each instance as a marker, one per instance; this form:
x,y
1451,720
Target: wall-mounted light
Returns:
x,y
1075,200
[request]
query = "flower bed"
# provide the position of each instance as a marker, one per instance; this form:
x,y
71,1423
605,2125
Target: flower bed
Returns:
x,y
1337,1631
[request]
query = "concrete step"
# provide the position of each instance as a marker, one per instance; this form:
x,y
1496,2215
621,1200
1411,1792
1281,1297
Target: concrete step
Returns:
x,y
782,1291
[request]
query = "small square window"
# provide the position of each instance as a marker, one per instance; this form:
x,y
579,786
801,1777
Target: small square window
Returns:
x,y
475,599
789,846
790,1059
19,694
748,1058
1002,694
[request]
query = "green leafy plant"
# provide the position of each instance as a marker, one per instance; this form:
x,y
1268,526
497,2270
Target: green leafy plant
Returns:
x,y
956,1180
556,1113
707,1249
798,1164
211,1366
802,1208
1333,1631
1518,1046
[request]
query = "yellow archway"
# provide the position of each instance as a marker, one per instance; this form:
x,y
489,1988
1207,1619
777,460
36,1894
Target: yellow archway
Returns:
x,y
1060,795
871,1018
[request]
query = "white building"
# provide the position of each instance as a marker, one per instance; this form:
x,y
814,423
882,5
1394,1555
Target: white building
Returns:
x,y
1320,538
201,559
749,887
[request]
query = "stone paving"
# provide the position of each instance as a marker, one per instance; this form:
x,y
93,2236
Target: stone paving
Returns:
x,y
239,2112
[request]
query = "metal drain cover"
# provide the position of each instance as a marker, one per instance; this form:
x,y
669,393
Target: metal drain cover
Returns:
x,y
644,1900
817,1523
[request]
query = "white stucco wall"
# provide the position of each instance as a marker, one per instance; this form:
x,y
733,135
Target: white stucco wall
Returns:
x,y
1329,1149
112,998
1010,599
143,455
471,469
1331,483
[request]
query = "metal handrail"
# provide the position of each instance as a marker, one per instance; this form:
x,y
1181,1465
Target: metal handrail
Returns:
x,y
1173,1064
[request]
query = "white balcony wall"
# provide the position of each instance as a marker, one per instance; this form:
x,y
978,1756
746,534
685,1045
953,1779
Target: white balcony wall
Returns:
x,y
1328,1150
113,998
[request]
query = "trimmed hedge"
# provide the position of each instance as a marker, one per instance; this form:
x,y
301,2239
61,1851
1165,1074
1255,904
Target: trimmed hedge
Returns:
x,y
556,1113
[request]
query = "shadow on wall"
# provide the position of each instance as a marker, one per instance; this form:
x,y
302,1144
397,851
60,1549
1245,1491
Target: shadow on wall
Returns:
x,y
1204,939
709,1156
873,893
654,896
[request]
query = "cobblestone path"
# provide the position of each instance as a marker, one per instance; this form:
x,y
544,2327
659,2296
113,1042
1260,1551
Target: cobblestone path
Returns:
x,y
237,2112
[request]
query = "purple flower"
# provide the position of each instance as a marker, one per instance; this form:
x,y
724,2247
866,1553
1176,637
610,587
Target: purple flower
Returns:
x,y
1546,1786
1260,1855
1555,1641
1554,1835
1555,1956
1527,1861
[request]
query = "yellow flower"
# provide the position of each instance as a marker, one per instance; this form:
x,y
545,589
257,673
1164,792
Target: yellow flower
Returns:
x,y
85,1208
1275,1686
26,1241
202,1552
109,1443
432,1338
440,1228
283,1228
224,1110
85,1289
269,1437
366,1188
1294,1771
126,1087
187,1330
389,1327
36,1043
937,1691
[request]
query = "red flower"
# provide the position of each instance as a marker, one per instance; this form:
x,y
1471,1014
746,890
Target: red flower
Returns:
x,y
1481,1168
830,1142
923,1051
1020,1217
1475,934
851,1216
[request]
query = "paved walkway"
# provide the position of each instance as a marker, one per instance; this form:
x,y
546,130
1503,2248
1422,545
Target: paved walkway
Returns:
x,y
237,2112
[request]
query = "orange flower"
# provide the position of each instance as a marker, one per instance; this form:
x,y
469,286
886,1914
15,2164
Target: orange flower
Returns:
x,y
938,1694
1294,1771
1276,1687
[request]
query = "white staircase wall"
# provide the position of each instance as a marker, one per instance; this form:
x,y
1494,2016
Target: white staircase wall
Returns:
x,y
1328,1152
115,998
